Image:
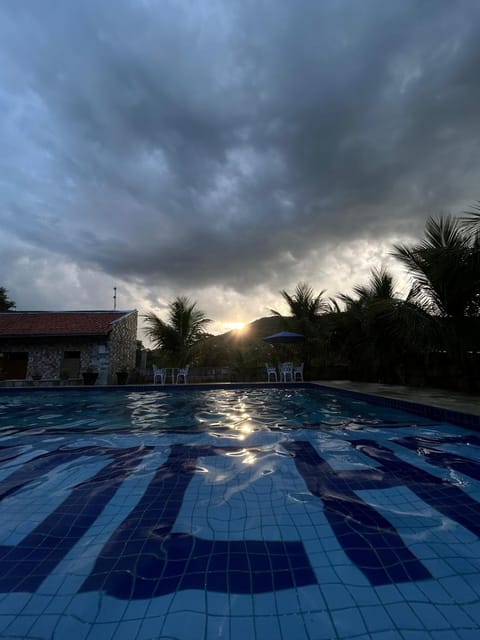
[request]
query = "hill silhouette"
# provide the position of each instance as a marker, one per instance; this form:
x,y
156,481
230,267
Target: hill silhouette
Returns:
x,y
255,330
225,348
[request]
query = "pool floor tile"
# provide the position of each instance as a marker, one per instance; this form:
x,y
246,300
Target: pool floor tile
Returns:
x,y
348,622
185,625
194,515
241,627
103,631
404,617
293,626
376,619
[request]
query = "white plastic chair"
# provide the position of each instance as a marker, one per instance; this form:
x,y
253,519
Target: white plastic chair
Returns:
x,y
286,370
183,373
159,373
271,371
298,371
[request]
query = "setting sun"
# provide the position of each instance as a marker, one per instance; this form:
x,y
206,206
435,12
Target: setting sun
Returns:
x,y
234,326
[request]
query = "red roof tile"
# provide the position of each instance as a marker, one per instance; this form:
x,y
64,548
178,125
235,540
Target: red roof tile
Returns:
x,y
58,323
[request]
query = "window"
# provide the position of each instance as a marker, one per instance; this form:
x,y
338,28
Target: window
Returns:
x,y
71,364
13,365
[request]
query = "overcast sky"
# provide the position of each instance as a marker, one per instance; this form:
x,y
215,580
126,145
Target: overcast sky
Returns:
x,y
227,150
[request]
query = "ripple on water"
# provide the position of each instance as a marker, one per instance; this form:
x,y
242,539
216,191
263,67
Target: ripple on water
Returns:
x,y
228,411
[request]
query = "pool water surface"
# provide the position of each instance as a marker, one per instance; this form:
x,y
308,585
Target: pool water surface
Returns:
x,y
288,512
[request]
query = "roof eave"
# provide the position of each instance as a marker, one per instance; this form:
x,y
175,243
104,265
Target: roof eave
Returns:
x,y
54,335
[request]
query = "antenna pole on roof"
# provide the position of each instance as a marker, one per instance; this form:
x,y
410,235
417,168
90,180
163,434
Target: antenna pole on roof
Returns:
x,y
114,298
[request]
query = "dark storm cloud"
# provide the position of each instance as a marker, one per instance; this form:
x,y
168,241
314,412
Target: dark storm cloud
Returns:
x,y
195,143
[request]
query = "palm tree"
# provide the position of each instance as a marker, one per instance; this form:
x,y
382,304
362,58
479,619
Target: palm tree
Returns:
x,y
445,268
471,222
377,332
177,338
306,308
471,228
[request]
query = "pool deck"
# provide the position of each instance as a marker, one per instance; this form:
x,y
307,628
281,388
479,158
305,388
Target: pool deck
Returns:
x,y
442,398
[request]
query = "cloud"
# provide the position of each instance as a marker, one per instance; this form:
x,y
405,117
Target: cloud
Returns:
x,y
227,149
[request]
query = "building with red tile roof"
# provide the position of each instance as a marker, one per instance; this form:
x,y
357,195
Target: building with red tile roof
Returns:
x,y
57,344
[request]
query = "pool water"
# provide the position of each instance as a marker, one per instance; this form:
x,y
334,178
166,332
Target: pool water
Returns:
x,y
287,513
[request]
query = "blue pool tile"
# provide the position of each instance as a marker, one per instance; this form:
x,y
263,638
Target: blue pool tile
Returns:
x,y
267,627
58,604
472,609
457,616
337,557
217,627
293,626
193,600
376,619
21,626
392,634
446,498
217,581
433,591
389,594
103,631
152,628
186,567
338,597
241,627
413,634
137,609
350,575
14,602
472,581
279,561
111,610
363,595
245,567
240,582
439,568
241,605
217,604
404,617
446,634
467,634
287,601
318,625
186,625
219,561
238,562
412,591
5,622
459,589
127,630
348,622
37,604
271,532
281,580
303,576
327,576
366,536
85,609
265,603
258,563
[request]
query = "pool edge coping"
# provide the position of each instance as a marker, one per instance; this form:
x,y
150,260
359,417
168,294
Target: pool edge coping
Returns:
x,y
435,412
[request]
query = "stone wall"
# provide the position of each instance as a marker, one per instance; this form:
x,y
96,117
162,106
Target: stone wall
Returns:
x,y
104,354
46,358
122,345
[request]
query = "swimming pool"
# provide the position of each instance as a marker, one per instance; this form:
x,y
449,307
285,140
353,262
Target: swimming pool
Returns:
x,y
290,513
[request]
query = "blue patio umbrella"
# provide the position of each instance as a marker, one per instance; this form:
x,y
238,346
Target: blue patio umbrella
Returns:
x,y
285,337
